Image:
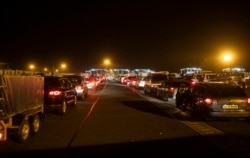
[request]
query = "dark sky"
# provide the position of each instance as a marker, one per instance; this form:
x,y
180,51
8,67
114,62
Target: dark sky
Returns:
x,y
141,34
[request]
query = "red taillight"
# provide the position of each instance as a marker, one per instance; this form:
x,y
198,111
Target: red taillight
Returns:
x,y
171,89
1,135
78,87
3,131
91,83
209,101
193,82
248,100
55,93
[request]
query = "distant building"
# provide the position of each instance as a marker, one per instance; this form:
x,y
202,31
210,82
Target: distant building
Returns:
x,y
4,66
190,70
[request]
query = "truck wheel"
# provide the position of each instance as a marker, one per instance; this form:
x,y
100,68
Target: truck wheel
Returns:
x,y
23,131
34,124
63,108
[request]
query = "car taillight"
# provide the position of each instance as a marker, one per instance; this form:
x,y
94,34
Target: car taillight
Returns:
x,y
55,93
171,89
91,84
193,82
248,100
3,131
78,87
210,101
1,135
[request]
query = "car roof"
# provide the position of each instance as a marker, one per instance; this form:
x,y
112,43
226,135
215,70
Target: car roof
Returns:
x,y
52,77
221,89
216,84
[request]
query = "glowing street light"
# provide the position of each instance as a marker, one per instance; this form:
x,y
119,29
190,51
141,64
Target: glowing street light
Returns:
x,y
106,62
31,67
63,66
227,57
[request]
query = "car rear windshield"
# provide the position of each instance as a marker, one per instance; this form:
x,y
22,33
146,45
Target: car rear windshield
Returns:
x,y
51,82
159,77
226,91
75,79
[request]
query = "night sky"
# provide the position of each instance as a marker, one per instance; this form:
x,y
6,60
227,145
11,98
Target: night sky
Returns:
x,y
141,34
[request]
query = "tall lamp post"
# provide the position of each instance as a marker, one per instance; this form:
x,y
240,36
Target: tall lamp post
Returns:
x,y
107,64
227,58
63,66
31,68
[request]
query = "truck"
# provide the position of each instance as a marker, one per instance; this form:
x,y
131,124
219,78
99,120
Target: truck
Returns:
x,y
21,106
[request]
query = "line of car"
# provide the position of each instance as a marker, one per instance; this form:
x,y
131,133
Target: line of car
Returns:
x,y
214,100
63,91
203,100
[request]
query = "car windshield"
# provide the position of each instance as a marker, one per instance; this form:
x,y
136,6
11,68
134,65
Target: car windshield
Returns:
x,y
159,77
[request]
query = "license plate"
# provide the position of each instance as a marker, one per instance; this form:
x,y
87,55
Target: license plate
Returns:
x,y
230,107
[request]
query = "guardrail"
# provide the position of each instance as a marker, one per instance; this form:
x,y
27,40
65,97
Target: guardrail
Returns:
x,y
30,73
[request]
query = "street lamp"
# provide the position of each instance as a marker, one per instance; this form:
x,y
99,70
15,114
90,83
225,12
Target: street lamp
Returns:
x,y
31,68
227,58
63,66
106,65
106,62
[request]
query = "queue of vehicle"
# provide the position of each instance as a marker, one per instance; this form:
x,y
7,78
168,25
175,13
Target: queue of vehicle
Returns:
x,y
209,97
21,111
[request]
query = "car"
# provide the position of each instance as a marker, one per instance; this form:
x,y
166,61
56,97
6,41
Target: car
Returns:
x,y
130,81
206,77
79,84
215,100
234,75
91,82
140,83
153,80
59,93
168,89
194,78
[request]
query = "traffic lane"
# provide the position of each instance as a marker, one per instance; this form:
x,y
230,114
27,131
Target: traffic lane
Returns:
x,y
56,137
168,107
235,127
55,131
233,134
124,126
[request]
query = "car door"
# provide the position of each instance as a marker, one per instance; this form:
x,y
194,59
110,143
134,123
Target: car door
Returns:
x,y
69,91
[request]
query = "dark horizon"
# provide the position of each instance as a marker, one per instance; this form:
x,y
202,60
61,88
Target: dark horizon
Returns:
x,y
154,35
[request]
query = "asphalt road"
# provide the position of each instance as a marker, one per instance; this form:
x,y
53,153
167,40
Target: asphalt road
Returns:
x,y
118,121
